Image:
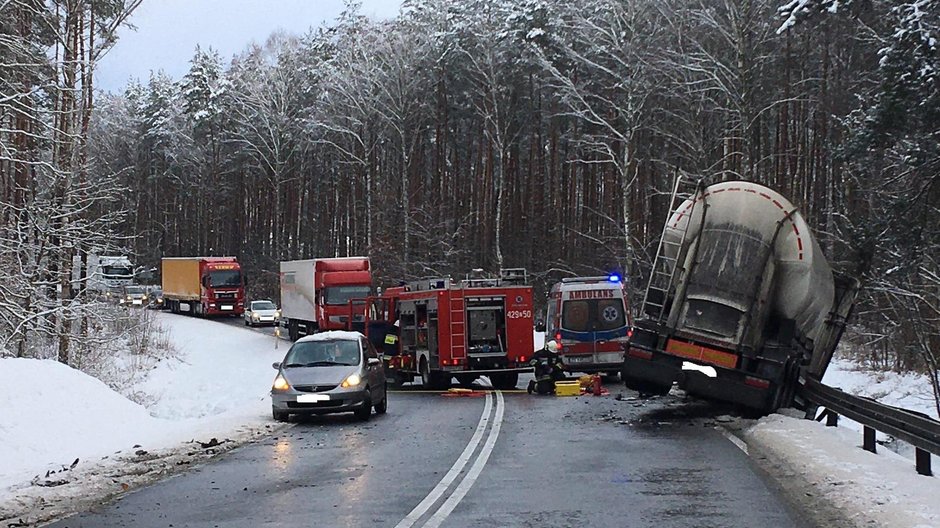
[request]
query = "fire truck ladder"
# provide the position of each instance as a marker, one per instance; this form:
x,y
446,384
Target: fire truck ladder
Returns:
x,y
458,324
662,275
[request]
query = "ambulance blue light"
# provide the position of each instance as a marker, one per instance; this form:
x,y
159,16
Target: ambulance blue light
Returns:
x,y
613,277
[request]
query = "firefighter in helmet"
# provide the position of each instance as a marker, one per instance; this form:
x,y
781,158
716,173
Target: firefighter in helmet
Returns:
x,y
548,368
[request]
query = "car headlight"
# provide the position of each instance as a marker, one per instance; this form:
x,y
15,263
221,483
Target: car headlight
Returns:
x,y
145,297
255,316
351,381
280,383
277,313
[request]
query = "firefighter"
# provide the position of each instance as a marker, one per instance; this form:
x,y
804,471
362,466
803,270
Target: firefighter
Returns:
x,y
548,368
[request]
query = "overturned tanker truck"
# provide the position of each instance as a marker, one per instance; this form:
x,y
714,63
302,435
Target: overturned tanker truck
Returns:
x,y
741,303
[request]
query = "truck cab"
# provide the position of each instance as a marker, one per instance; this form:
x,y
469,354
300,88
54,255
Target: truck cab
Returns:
x,y
316,294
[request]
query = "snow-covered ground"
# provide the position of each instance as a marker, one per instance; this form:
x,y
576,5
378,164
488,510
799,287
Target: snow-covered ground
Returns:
x,y
870,489
217,387
910,391
52,415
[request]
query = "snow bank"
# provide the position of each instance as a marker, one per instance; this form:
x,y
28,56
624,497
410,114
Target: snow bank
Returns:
x,y
51,414
910,391
874,489
222,370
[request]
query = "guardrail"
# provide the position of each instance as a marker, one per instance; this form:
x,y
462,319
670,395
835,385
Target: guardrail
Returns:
x,y
917,429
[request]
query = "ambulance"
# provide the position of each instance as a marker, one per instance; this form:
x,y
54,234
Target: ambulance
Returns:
x,y
590,318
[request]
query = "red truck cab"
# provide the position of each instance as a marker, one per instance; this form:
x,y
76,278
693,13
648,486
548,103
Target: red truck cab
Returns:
x,y
203,285
337,282
223,291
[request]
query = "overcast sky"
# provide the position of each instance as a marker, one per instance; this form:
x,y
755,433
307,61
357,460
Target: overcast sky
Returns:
x,y
168,31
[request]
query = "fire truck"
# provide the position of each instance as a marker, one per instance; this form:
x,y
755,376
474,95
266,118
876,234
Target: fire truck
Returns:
x,y
440,329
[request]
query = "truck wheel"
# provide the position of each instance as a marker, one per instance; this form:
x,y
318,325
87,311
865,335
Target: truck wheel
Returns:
x,y
292,331
505,381
433,380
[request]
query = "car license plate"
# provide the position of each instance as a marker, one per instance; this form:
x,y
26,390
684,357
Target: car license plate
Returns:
x,y
138,302
228,307
579,359
312,398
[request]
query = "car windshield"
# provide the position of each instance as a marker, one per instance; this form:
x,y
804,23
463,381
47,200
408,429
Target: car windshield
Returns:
x,y
134,290
323,353
263,305
225,278
593,315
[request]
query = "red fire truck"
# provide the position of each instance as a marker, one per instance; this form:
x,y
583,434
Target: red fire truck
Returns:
x,y
439,329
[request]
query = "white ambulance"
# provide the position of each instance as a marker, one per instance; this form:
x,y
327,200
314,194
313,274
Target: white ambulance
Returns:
x,y
590,318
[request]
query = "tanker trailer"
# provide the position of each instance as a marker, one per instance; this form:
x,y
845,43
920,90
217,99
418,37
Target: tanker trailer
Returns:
x,y
741,301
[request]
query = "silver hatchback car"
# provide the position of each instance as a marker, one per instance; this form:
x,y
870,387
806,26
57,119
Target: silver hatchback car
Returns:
x,y
329,372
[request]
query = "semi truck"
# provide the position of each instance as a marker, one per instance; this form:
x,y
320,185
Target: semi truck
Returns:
x,y
203,285
438,330
315,294
741,302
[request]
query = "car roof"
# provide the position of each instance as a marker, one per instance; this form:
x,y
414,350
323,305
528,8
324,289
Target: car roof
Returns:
x,y
332,335
263,300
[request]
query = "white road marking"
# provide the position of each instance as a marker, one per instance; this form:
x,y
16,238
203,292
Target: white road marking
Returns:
x,y
733,439
475,470
454,471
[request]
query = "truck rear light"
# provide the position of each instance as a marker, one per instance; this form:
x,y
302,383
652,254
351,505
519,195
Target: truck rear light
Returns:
x,y
630,333
640,354
521,359
756,382
558,337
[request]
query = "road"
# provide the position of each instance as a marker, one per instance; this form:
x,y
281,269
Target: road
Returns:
x,y
493,460
240,322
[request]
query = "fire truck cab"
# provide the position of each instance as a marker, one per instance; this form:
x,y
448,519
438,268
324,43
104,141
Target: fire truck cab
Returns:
x,y
440,329
590,318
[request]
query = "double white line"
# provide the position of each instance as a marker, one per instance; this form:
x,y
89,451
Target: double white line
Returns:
x,y
487,423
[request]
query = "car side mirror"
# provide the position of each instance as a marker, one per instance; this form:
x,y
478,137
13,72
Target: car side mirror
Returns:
x,y
540,326
374,361
276,365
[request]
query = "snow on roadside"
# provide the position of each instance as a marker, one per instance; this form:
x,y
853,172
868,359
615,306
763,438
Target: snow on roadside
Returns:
x,y
871,489
51,414
910,391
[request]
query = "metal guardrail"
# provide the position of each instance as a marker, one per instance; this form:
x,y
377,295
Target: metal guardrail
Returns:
x,y
917,429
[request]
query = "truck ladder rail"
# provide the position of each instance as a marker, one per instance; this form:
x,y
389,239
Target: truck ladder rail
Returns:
x,y
458,325
663,272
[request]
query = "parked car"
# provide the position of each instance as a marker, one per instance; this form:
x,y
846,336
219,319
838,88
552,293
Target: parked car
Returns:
x,y
329,372
262,313
133,296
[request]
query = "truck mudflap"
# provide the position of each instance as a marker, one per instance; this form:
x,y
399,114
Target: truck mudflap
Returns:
x,y
654,373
